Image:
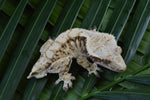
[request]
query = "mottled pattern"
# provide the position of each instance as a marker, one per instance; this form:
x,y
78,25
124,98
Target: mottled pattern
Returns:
x,y
89,47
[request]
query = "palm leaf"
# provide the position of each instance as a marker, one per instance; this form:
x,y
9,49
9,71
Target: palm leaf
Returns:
x,y
8,31
95,14
123,95
119,17
11,79
24,31
137,29
2,3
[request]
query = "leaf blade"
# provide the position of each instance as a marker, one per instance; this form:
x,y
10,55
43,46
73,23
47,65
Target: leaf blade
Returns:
x,y
10,27
125,95
22,54
142,79
119,18
2,2
95,14
136,30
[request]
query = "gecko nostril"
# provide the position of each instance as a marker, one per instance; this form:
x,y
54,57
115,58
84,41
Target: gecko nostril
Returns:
x,y
122,69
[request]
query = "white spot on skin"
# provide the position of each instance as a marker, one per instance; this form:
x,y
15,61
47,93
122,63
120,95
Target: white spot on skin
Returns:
x,y
49,54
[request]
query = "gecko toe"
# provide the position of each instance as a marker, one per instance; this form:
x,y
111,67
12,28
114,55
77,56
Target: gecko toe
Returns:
x,y
97,74
73,78
58,81
65,87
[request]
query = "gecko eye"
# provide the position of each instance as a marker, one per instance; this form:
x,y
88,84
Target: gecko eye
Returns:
x,y
90,60
105,61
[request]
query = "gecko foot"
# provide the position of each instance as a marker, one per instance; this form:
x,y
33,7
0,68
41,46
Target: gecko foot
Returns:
x,y
94,68
66,77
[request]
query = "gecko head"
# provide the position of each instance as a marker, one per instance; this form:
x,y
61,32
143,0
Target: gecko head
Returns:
x,y
107,53
39,68
113,60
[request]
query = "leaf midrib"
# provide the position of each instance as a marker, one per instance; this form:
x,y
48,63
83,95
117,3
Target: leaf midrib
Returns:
x,y
58,91
121,92
31,90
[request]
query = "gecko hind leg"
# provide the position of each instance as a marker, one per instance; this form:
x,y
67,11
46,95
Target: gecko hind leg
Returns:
x,y
67,78
91,67
62,67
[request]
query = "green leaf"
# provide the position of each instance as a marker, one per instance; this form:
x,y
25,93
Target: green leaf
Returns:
x,y
88,84
133,85
131,68
24,51
136,29
67,18
95,14
30,93
3,22
116,81
123,95
2,3
139,81
146,58
119,17
10,28
143,79
144,45
57,92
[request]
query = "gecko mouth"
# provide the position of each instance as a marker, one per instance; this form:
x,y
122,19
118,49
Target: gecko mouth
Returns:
x,y
37,74
107,64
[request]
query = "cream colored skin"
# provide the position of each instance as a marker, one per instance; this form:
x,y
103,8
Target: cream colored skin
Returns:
x,y
56,56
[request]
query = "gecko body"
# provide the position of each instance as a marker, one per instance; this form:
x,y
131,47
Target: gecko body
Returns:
x,y
89,47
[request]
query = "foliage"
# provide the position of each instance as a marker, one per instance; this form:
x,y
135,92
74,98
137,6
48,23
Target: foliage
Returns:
x,y
26,24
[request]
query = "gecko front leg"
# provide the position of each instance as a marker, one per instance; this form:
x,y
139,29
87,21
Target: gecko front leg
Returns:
x,y
91,67
62,67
